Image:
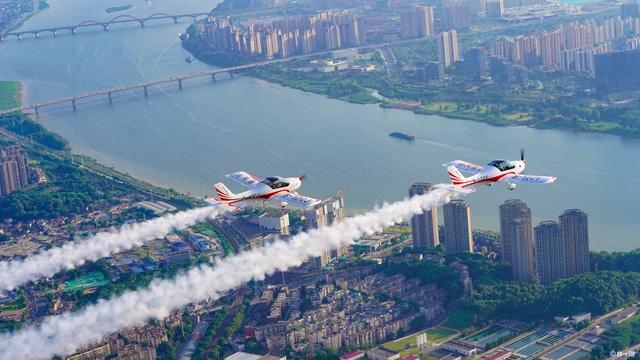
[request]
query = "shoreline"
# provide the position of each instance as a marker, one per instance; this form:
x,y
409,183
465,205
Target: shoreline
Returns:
x,y
398,104
108,172
17,23
196,50
21,92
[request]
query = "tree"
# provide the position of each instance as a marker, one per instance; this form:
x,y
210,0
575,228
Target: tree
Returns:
x,y
166,351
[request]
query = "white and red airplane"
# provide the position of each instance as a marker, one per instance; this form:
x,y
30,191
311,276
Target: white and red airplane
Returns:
x,y
272,188
495,171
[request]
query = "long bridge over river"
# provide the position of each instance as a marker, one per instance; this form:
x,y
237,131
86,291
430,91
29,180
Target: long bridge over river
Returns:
x,y
109,92
120,19
179,79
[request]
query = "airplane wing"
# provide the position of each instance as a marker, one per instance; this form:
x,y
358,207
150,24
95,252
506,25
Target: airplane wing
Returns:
x,y
295,199
225,206
531,179
464,166
245,179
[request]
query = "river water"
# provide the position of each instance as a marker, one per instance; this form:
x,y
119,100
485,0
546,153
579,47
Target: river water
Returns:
x,y
189,139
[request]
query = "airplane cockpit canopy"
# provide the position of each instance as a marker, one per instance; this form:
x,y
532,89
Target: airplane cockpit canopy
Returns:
x,y
275,182
502,165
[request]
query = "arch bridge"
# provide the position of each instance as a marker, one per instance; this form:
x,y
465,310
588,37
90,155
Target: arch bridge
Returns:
x,y
90,23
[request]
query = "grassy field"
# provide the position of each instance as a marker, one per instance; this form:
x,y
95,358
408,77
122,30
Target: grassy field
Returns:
x,y
458,320
439,335
9,94
518,116
402,344
398,230
407,345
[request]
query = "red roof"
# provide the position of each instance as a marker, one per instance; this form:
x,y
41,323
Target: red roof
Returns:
x,y
351,355
497,355
410,357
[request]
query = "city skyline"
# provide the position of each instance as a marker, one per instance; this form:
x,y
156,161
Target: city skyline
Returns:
x,y
119,239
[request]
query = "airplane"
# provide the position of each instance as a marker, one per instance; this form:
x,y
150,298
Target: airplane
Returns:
x,y
495,171
271,188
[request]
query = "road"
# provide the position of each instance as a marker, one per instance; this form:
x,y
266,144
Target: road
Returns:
x,y
187,349
222,329
626,353
598,322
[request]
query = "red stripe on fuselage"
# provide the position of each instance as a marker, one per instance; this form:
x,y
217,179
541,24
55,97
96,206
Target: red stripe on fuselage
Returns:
x,y
492,179
266,196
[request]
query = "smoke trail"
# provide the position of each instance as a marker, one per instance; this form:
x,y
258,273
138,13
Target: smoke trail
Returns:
x,y
76,253
66,333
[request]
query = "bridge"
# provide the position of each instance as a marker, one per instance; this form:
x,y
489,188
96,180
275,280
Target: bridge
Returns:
x,y
179,80
108,93
124,18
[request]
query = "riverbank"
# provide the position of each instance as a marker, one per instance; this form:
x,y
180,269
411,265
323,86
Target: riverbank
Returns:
x,y
30,134
541,104
10,94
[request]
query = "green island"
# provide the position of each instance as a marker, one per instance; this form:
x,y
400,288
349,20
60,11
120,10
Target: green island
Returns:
x,y
118,8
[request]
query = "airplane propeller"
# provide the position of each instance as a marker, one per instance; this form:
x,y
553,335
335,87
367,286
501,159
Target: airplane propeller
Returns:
x,y
302,177
522,155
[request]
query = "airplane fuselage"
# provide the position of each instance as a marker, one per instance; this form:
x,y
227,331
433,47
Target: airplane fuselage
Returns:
x,y
491,174
263,191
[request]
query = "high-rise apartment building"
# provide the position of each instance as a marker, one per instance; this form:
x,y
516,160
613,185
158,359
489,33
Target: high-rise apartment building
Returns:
x,y
329,212
629,9
285,37
14,170
417,22
424,227
575,233
551,252
448,51
458,236
455,14
476,63
495,9
517,239
425,21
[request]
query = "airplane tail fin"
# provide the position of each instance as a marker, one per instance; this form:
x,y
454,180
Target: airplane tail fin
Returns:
x,y
224,194
457,179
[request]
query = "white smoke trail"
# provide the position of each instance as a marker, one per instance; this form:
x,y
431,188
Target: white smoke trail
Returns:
x,y
66,333
76,253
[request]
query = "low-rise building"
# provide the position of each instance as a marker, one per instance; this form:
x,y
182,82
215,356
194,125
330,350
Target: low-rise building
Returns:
x,y
382,354
354,355
460,347
501,354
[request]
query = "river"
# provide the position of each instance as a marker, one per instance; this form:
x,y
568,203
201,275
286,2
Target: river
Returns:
x,y
189,139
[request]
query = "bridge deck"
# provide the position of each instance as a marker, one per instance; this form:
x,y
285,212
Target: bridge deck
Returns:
x,y
125,18
141,85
